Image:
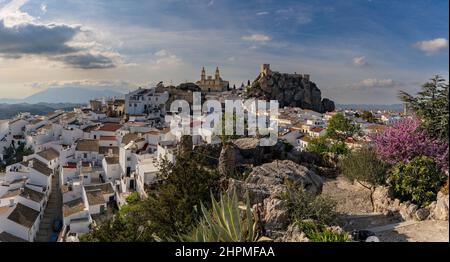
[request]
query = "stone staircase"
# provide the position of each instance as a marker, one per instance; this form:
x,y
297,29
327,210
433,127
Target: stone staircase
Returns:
x,y
52,211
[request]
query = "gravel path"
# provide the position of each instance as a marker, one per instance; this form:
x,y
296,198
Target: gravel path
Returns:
x,y
355,212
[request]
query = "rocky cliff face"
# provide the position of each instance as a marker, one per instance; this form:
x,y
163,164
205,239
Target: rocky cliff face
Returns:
x,y
290,90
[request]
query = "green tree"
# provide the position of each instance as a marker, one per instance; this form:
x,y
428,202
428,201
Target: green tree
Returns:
x,y
174,204
318,145
338,147
431,105
172,208
368,116
364,167
340,127
418,180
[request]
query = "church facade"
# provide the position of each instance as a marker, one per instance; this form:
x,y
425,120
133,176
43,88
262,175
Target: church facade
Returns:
x,y
210,84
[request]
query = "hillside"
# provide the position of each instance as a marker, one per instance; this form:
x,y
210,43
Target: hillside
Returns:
x,y
8,111
63,95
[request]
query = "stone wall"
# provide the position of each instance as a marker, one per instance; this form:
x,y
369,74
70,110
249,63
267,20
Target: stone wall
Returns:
x,y
384,202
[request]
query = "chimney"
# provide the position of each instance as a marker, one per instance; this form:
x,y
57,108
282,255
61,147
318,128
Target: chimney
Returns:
x,y
30,163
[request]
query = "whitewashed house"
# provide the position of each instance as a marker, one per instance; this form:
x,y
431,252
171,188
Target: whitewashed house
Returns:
x,y
111,168
145,101
87,150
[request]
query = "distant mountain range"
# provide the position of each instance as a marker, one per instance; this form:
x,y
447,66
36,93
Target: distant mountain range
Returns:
x,y
7,111
393,107
63,95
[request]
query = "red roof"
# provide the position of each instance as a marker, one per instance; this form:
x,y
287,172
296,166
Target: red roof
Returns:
x,y
110,127
108,138
317,129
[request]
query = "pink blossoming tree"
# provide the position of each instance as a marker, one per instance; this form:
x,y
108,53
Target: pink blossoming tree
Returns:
x,y
405,140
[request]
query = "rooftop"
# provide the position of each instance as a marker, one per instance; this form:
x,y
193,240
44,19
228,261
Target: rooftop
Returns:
x,y
90,128
126,139
49,154
317,129
38,166
88,145
112,160
104,150
108,138
95,197
110,127
7,237
32,195
24,215
11,193
106,188
73,207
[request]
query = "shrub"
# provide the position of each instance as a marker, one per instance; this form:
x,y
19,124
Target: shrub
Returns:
x,y
339,148
319,233
225,223
318,145
304,205
363,165
287,147
405,140
133,198
417,181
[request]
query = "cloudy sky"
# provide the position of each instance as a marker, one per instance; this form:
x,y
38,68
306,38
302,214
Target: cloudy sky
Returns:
x,y
357,51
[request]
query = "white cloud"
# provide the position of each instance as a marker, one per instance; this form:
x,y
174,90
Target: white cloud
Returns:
x,y
432,46
256,38
262,13
166,58
12,15
373,83
22,35
360,61
43,8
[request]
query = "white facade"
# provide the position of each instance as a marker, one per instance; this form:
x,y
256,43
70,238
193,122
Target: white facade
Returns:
x,y
144,101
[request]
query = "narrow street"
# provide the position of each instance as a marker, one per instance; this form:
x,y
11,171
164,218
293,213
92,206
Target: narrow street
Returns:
x,y
52,211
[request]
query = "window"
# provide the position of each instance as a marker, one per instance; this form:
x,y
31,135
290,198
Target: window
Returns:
x,y
85,155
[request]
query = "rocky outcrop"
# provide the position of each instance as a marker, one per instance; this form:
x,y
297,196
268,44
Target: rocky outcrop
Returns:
x,y
290,90
384,202
265,186
440,212
277,173
293,234
227,160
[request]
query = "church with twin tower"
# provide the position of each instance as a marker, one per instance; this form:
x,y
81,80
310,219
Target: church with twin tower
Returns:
x,y
209,84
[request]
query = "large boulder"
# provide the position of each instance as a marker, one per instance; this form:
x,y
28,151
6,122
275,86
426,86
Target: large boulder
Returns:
x,y
382,197
440,212
250,149
270,180
279,171
293,234
227,159
276,216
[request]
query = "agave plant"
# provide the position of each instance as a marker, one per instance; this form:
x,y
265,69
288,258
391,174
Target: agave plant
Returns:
x,y
226,222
